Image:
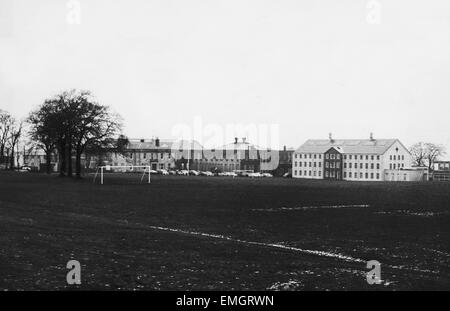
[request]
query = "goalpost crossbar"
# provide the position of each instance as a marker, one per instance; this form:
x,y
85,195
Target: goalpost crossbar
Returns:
x,y
104,168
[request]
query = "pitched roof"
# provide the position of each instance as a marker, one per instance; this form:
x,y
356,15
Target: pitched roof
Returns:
x,y
164,144
359,146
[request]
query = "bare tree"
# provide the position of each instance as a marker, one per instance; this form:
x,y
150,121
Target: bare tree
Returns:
x,y
419,153
425,154
6,121
15,135
71,122
434,151
45,129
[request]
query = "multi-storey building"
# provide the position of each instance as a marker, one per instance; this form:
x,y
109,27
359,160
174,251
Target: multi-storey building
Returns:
x,y
353,159
176,154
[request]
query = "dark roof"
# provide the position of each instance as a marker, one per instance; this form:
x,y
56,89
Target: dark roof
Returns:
x,y
359,146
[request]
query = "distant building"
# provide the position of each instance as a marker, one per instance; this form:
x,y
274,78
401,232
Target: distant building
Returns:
x,y
354,159
185,154
441,171
157,153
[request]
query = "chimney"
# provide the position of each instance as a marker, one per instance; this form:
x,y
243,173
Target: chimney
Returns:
x,y
243,140
157,142
330,136
284,148
235,140
371,137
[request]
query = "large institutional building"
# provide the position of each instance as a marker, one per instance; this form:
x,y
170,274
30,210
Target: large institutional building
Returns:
x,y
188,154
354,160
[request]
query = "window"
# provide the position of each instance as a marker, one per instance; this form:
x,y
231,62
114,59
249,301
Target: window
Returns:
x,y
300,164
350,164
390,157
345,157
350,174
361,175
367,157
378,175
361,157
315,156
390,166
378,166
345,164
314,173
320,173
327,156
345,174
371,157
320,164
350,157
367,175
360,165
395,157
309,173
338,156
371,166
378,157
327,174
338,165
300,173
367,166
371,175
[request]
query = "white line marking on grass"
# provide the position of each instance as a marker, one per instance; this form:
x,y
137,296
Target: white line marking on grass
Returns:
x,y
261,244
283,247
230,239
302,208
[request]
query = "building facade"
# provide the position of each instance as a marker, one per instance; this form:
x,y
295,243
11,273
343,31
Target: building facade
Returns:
x,y
190,155
352,159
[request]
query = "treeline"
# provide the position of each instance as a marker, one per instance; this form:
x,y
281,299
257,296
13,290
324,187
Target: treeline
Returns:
x,y
67,126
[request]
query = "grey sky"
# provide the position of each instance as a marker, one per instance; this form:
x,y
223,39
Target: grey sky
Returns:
x,y
313,67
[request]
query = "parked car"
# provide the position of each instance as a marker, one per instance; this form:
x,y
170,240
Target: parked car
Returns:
x,y
183,172
172,172
206,173
194,172
25,169
153,172
163,172
287,175
266,175
255,175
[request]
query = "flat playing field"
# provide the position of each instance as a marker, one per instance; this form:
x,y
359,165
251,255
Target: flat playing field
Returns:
x,y
220,233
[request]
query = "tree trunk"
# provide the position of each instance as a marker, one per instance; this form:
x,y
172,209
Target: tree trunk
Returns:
x,y
48,159
62,160
78,164
11,159
69,160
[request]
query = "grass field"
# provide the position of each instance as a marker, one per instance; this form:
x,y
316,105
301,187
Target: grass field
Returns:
x,y
217,233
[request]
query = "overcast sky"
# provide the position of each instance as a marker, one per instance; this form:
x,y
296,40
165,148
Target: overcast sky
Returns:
x,y
310,67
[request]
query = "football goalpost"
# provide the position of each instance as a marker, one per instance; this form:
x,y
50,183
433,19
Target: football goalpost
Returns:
x,y
145,169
